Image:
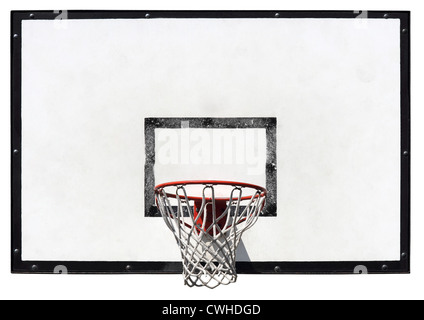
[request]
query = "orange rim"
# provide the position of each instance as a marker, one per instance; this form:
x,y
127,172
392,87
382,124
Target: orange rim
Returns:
x,y
212,183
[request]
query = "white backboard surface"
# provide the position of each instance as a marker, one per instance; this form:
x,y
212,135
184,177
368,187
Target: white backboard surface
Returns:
x,y
332,86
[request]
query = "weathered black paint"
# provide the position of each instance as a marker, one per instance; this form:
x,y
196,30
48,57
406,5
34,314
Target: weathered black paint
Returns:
x,y
270,124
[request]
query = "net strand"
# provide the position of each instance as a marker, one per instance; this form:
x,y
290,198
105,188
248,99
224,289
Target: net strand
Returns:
x,y
208,239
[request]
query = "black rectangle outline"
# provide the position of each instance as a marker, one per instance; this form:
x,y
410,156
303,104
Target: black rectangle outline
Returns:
x,y
19,266
269,124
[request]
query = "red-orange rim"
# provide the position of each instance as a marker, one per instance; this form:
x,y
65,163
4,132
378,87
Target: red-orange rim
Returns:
x,y
213,183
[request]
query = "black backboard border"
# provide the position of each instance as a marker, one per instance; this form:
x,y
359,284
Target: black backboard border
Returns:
x,y
402,265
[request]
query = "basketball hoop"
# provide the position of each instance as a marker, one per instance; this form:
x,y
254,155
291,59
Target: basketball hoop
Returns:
x,y
208,219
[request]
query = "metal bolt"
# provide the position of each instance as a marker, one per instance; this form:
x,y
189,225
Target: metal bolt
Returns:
x,y
34,268
277,269
277,15
15,152
147,16
128,268
15,36
404,256
404,31
386,16
32,16
385,267
16,251
405,153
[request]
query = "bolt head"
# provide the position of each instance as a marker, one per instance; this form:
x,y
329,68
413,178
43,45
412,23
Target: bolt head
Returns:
x,y
277,15
277,269
34,268
15,36
385,267
147,15
32,16
128,268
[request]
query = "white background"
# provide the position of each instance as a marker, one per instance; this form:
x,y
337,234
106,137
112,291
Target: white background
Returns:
x,y
248,286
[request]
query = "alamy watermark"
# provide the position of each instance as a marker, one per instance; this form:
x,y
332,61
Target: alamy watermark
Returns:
x,y
360,270
60,270
61,20
361,19
212,146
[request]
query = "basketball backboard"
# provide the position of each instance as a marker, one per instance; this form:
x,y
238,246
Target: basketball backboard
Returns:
x,y
313,106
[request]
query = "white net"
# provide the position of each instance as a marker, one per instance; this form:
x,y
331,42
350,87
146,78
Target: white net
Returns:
x,y
208,229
